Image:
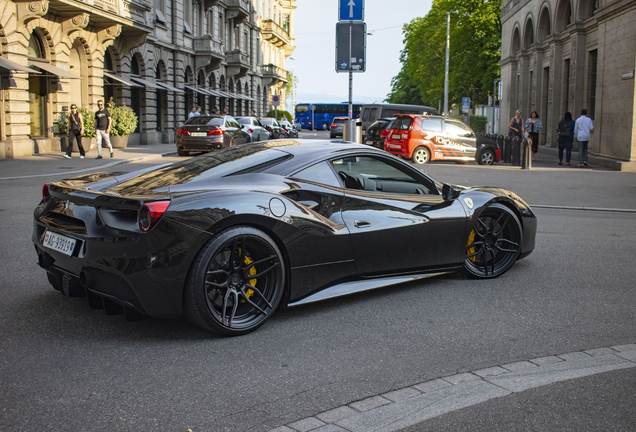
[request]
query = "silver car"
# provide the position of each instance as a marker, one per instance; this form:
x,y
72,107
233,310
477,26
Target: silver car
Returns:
x,y
254,128
337,126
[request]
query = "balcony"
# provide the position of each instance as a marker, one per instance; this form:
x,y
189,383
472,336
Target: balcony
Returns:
x,y
209,53
132,14
238,10
274,74
274,34
238,63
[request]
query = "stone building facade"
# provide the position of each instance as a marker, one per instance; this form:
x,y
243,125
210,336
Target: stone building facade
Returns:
x,y
160,57
566,55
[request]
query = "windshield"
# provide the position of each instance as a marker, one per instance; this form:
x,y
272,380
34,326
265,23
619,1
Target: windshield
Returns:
x,y
247,121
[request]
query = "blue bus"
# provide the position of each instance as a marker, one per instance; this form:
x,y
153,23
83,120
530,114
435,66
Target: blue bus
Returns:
x,y
324,113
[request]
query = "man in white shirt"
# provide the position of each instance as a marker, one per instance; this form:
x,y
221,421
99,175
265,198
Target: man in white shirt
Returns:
x,y
583,130
192,113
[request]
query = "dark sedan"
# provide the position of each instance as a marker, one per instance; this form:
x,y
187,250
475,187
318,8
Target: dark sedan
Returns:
x,y
226,238
272,126
376,133
209,133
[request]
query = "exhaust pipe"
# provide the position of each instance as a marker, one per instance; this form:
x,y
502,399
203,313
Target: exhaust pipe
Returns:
x,y
87,279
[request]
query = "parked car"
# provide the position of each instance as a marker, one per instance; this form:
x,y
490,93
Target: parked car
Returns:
x,y
272,126
290,132
488,151
425,138
226,238
337,126
376,133
253,126
208,133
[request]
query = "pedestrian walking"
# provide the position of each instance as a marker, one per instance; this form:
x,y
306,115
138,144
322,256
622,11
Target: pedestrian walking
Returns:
x,y
102,128
198,111
565,129
192,112
75,132
515,129
533,125
226,111
583,133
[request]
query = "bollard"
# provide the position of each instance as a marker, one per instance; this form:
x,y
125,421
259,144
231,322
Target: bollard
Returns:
x,y
526,162
516,151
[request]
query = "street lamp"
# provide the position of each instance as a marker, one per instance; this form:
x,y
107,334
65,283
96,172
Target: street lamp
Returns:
x,y
293,89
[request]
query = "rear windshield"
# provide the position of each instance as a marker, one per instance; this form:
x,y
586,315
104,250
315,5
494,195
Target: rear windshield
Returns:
x,y
380,124
267,121
340,121
202,120
402,123
244,121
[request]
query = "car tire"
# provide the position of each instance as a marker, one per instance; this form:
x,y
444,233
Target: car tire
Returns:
x,y
486,157
235,283
325,126
183,152
421,155
494,243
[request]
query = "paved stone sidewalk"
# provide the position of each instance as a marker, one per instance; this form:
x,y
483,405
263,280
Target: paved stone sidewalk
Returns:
x,y
402,408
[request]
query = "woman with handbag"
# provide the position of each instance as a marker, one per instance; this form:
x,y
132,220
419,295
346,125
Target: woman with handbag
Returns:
x,y
533,126
515,129
75,132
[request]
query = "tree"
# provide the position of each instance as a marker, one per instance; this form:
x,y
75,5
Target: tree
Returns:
x,y
475,41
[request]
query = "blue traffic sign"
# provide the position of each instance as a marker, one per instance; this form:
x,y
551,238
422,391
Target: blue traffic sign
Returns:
x,y
351,10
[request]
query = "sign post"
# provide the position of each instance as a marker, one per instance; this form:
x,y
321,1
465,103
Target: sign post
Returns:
x,y
276,103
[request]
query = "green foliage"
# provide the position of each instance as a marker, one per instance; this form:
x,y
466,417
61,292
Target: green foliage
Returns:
x,y
62,123
475,40
88,116
281,113
123,119
478,123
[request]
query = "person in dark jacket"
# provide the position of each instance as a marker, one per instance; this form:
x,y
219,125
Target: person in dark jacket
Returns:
x,y
75,132
566,137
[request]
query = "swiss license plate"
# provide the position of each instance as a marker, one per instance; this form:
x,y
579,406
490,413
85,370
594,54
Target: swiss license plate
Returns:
x,y
59,243
369,142
198,134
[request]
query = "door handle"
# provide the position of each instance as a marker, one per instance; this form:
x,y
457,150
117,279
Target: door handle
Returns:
x,y
362,224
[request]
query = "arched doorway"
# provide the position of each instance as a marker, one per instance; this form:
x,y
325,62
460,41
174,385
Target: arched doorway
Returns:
x,y
38,91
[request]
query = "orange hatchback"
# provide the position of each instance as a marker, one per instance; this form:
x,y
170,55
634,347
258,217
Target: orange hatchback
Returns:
x,y
428,138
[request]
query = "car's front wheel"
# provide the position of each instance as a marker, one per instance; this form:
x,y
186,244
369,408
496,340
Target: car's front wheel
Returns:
x,y
486,157
236,282
421,155
494,243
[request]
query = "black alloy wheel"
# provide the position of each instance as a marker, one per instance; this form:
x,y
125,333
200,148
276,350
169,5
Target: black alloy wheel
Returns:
x,y
236,282
494,244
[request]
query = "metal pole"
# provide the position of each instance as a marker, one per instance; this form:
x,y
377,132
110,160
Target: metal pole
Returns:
x,y
350,77
293,93
447,54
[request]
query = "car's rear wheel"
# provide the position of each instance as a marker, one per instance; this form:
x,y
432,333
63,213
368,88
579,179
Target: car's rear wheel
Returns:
x,y
236,282
421,155
325,126
486,157
183,152
494,243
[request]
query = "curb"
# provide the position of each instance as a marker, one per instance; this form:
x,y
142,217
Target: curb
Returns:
x,y
409,406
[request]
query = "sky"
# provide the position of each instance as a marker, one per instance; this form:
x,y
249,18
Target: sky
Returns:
x,y
315,34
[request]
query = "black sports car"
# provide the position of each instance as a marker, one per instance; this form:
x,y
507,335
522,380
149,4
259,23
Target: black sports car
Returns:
x,y
227,237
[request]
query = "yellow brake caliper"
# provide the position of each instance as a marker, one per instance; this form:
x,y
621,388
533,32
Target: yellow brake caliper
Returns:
x,y
471,239
249,293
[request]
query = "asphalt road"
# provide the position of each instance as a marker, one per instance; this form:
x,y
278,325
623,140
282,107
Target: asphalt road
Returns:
x,y
64,367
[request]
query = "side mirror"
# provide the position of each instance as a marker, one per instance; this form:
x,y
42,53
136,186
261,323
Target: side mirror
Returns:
x,y
449,193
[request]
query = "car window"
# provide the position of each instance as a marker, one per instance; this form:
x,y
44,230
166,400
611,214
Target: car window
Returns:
x,y
431,124
376,175
258,122
319,173
365,114
244,120
402,123
456,128
374,114
203,120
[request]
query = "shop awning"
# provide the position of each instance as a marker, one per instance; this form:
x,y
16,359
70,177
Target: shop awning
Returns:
x,y
169,87
215,93
8,64
198,90
120,79
53,69
225,94
145,83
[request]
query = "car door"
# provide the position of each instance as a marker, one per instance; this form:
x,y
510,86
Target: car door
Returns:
x,y
397,218
460,139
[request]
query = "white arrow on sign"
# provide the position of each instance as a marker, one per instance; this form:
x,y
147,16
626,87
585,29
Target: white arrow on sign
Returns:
x,y
351,4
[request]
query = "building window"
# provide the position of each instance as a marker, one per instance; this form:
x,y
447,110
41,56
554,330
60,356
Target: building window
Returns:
x,y
187,5
566,86
591,80
286,24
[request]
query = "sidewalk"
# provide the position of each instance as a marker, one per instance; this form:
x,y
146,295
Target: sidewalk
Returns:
x,y
54,164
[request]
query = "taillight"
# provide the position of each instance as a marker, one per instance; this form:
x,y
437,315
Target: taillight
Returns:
x,y
216,132
308,122
182,132
333,126
46,194
150,213
250,130
384,132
